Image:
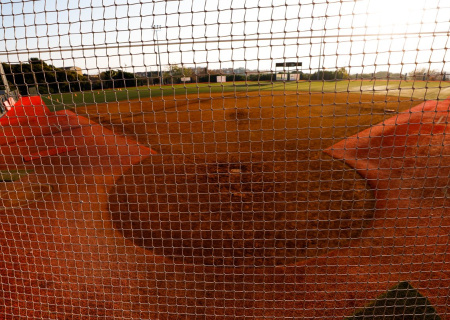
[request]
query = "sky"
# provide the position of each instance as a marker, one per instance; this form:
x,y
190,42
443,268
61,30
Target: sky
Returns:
x,y
360,35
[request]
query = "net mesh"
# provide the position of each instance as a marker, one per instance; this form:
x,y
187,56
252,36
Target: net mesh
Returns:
x,y
214,159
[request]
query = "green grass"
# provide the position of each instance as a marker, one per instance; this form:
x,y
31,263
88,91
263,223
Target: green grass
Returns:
x,y
13,175
418,90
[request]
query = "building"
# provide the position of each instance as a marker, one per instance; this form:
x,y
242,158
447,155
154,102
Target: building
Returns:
x,y
288,76
74,68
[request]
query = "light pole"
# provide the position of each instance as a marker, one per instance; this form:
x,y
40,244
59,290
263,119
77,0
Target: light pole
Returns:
x,y
156,28
321,41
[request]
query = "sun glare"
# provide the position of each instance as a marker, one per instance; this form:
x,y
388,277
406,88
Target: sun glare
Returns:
x,y
400,14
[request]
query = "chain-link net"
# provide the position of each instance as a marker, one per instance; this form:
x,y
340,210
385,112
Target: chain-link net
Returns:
x,y
193,159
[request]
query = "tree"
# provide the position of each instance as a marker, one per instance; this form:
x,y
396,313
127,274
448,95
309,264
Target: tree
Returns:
x,y
342,73
419,74
124,79
107,78
435,75
119,79
45,77
176,72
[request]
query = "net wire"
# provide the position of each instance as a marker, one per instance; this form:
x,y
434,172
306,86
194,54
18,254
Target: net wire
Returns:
x,y
224,160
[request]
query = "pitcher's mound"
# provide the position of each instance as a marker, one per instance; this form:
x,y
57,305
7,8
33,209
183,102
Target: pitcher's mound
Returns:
x,y
239,212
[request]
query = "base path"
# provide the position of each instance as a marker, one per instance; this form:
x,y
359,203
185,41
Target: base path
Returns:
x,y
406,160
61,256
58,248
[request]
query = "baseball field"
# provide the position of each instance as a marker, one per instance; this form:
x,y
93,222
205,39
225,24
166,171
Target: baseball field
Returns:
x,y
417,90
229,205
239,177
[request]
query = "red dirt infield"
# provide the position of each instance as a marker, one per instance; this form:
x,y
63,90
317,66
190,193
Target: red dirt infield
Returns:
x,y
62,257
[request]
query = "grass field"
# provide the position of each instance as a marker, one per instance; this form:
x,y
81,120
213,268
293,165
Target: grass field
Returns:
x,y
417,90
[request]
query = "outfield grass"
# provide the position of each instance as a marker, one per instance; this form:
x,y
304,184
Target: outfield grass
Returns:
x,y
417,90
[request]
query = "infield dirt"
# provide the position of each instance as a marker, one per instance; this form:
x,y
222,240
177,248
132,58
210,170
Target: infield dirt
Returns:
x,y
240,179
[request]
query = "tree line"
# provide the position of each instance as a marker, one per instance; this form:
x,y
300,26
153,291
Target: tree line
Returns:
x,y
175,73
37,76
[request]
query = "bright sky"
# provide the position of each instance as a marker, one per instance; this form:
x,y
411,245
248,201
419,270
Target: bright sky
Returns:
x,y
361,35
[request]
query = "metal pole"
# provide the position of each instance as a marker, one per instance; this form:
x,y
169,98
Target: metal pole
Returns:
x,y
156,28
321,41
320,58
4,80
